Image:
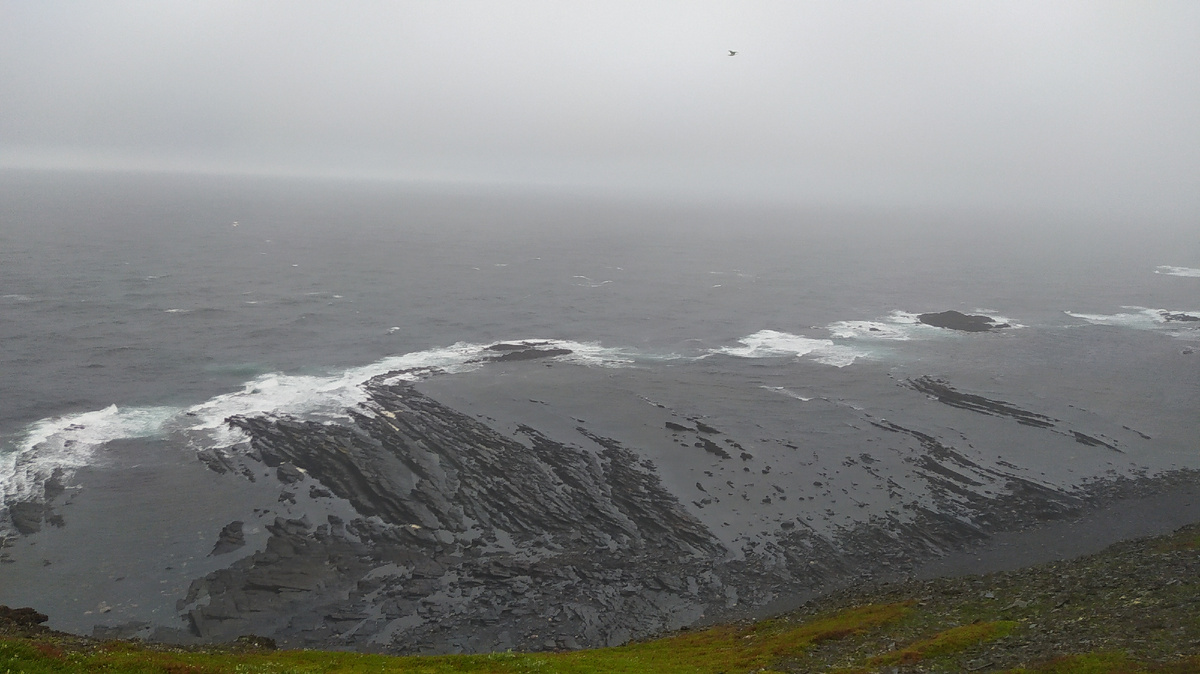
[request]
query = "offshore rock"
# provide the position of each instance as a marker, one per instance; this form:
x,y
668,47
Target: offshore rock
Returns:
x,y
944,393
954,320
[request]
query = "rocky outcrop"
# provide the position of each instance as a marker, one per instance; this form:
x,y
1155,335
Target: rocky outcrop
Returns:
x,y
944,393
954,320
464,538
467,539
231,538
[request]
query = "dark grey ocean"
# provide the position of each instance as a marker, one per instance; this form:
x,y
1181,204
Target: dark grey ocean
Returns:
x,y
149,309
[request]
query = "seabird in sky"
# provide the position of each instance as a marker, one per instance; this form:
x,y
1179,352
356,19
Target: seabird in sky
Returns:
x,y
732,53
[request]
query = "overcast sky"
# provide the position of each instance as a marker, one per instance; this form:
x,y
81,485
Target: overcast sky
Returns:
x,y
1058,105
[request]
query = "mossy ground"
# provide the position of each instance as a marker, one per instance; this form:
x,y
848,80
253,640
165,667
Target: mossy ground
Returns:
x,y
1133,609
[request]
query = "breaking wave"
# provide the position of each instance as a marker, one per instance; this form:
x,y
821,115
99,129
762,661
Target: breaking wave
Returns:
x,y
787,392
69,442
1141,318
772,343
1177,271
903,326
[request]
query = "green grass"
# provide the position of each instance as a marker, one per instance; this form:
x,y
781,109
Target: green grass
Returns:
x,y
728,649
1136,604
953,640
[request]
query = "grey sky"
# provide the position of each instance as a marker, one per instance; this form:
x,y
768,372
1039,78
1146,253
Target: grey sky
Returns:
x,y
1061,105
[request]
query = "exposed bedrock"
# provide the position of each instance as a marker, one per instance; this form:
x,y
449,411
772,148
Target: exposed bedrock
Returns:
x,y
467,540
955,320
464,538
944,393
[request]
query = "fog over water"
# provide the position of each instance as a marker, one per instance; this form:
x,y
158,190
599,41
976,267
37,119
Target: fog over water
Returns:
x,y
1063,106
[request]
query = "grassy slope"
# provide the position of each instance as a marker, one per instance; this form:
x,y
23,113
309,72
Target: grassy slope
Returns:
x,y
1132,608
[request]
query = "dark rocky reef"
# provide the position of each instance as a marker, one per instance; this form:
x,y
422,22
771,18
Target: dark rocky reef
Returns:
x,y
22,617
1179,317
463,538
525,351
944,393
954,320
231,538
467,540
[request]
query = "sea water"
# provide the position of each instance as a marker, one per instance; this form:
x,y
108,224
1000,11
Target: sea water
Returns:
x,y
143,306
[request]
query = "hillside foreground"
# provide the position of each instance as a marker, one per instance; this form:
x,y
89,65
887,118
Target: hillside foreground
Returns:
x,y
1132,608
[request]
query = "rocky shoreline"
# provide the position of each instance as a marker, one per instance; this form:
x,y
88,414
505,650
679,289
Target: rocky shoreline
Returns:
x,y
1127,608
416,525
470,540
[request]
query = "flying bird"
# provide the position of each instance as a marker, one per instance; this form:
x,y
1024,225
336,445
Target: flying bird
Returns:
x,y
732,53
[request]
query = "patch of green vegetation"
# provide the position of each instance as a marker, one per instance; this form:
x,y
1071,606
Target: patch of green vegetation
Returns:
x,y
1189,540
1129,610
726,649
953,640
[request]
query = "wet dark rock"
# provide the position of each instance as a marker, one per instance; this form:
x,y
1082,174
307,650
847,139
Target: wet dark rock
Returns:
x,y
287,473
1179,317
215,460
27,516
705,428
255,642
954,320
509,346
713,448
437,491
1092,442
22,617
944,393
532,354
466,539
231,538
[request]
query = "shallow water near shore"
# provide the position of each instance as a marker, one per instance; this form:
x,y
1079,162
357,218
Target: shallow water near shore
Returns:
x,y
756,371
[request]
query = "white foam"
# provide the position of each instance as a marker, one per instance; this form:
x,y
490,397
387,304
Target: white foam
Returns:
x,y
17,298
999,319
324,397
902,326
1140,318
1177,271
589,283
787,392
772,343
896,326
869,330
68,442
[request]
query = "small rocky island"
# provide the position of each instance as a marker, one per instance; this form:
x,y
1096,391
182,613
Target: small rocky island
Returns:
x,y
955,320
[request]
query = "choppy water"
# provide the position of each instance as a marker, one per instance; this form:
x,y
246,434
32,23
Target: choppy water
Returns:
x,y
143,306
